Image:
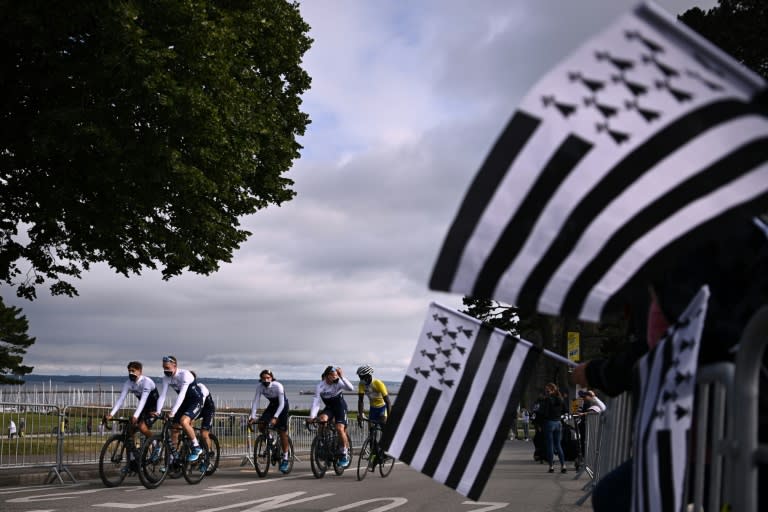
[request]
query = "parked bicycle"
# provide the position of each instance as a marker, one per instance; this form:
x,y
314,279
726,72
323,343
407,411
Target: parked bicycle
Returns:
x,y
119,456
160,459
371,453
326,449
268,450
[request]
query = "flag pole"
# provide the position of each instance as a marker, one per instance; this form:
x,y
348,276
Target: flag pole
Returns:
x,y
548,353
556,357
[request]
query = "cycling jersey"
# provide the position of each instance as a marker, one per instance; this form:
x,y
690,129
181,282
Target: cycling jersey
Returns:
x,y
144,390
184,383
376,392
331,395
275,393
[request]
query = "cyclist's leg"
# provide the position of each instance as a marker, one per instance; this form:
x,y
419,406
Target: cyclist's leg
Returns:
x,y
341,426
282,428
209,409
378,416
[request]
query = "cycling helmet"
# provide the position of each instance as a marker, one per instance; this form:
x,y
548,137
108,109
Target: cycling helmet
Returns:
x,y
364,370
268,372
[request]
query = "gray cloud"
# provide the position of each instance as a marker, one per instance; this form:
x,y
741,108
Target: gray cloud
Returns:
x,y
407,98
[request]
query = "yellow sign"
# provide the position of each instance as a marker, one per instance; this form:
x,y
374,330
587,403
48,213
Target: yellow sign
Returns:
x,y
573,346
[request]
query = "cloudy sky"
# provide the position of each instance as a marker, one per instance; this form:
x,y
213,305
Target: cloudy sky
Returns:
x,y
406,99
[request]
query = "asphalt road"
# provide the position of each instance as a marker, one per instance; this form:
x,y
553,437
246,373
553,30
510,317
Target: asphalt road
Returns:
x,y
517,483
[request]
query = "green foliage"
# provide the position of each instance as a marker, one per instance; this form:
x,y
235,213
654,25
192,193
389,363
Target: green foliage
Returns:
x,y
740,28
492,312
136,133
13,344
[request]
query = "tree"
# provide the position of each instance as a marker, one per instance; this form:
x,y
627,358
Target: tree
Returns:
x,y
136,133
13,344
492,312
739,27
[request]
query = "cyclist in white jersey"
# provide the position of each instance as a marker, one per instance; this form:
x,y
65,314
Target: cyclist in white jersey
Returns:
x,y
188,404
276,413
330,392
145,391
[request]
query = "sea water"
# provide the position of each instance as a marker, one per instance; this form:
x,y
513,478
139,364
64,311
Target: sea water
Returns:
x,y
227,393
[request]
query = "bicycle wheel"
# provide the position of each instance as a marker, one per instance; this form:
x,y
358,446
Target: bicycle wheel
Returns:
x,y
213,454
386,464
363,459
112,459
261,456
153,461
317,457
193,471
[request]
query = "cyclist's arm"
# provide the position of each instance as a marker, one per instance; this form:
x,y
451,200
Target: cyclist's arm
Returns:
x,y
161,398
360,405
388,404
145,391
346,384
120,399
255,404
315,403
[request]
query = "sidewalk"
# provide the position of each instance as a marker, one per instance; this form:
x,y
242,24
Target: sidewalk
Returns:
x,y
528,486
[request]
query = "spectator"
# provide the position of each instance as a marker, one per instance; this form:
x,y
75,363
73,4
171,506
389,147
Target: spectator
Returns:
x,y
551,409
89,425
525,417
11,430
22,426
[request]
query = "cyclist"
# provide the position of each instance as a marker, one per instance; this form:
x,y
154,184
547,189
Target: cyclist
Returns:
x,y
330,390
207,412
188,404
144,389
276,413
377,396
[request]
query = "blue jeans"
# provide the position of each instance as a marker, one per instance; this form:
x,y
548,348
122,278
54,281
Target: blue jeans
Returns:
x,y
552,431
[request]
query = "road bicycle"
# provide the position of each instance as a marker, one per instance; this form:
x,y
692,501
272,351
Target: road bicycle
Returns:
x,y
371,453
119,456
268,450
326,449
161,459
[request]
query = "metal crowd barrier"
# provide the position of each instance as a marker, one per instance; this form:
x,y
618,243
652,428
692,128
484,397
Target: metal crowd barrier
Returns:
x,y
714,383
745,453
36,440
608,442
591,440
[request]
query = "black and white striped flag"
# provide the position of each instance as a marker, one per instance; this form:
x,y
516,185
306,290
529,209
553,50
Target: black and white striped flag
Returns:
x,y
667,380
455,406
644,140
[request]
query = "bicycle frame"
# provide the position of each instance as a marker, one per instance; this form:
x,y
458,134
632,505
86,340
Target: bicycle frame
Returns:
x,y
371,453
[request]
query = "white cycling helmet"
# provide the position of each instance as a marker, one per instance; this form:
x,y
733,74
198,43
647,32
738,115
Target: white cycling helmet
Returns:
x,y
364,370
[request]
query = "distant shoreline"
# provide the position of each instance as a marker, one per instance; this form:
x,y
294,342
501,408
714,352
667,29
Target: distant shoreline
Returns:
x,y
119,379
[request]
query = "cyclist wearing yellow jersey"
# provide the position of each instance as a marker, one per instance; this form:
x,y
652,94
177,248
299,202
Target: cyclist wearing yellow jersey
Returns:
x,y
377,395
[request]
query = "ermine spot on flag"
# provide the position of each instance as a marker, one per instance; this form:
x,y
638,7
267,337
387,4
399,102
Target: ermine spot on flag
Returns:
x,y
645,139
455,406
667,380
